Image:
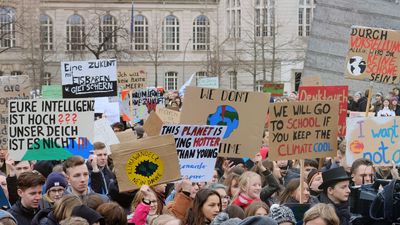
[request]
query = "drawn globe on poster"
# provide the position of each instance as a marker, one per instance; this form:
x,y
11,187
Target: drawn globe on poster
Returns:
x,y
356,65
225,115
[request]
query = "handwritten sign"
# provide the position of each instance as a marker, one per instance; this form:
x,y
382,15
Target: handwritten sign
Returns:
x,y
132,79
168,116
197,148
94,78
150,161
303,130
11,87
50,129
360,114
373,55
340,93
208,82
51,91
311,81
146,100
243,113
273,88
374,138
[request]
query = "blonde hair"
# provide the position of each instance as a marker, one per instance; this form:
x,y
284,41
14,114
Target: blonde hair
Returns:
x,y
244,180
63,208
324,211
74,221
163,219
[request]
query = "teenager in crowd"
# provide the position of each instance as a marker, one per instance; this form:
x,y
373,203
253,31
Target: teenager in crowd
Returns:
x,y
54,190
250,189
321,214
205,207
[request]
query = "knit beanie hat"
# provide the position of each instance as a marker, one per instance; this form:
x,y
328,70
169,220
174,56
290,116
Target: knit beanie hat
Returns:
x,y
87,213
233,221
258,220
55,179
281,214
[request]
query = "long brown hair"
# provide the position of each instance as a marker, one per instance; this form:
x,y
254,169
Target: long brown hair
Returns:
x,y
195,215
289,190
139,197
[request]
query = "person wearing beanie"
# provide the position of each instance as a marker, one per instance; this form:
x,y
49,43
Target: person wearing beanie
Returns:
x,y
54,190
314,180
93,217
395,105
283,215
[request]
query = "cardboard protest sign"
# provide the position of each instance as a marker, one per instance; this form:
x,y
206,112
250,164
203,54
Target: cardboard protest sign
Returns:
x,y
168,116
374,138
243,113
131,79
153,125
51,91
93,78
311,81
303,130
197,148
50,129
11,87
126,135
104,133
340,93
373,55
145,101
360,114
275,89
208,82
149,161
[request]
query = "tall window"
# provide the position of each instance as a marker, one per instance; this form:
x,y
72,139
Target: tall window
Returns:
x,y
232,79
75,33
7,27
46,32
306,11
171,81
233,18
264,17
141,33
47,78
171,33
108,32
201,33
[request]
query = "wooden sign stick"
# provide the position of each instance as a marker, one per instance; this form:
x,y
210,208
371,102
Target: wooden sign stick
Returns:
x,y
301,180
369,99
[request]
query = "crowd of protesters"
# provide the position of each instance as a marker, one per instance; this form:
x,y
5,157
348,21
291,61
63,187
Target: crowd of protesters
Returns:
x,y
242,191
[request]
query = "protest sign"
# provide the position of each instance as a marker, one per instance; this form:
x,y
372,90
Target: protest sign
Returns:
x,y
108,108
243,113
311,81
50,129
373,138
93,78
153,124
275,89
340,93
51,92
104,133
11,87
303,130
146,100
208,82
149,161
123,99
373,55
197,147
360,114
168,116
131,79
126,135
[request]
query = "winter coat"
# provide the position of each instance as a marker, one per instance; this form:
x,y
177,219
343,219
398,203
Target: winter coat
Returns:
x,y
23,215
342,209
43,217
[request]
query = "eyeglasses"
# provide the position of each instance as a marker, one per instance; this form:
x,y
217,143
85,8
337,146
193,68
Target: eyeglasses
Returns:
x,y
60,190
226,197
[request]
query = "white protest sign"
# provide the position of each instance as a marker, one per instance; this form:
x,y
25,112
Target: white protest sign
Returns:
x,y
50,129
197,147
93,78
208,82
104,133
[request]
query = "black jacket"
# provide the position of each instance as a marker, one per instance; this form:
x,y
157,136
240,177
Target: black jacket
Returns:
x,y
101,180
44,217
12,189
23,215
342,209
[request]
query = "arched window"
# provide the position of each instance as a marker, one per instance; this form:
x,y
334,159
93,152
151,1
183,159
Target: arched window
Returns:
x,y
171,81
201,33
306,12
75,33
141,33
170,33
46,32
108,32
7,27
233,18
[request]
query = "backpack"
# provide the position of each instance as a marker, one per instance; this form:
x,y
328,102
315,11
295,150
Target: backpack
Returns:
x,y
385,208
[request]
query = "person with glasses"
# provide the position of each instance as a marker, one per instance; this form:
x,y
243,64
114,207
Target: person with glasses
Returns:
x,y
54,190
146,206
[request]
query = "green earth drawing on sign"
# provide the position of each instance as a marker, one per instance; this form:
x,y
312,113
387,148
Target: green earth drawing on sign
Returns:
x,y
225,116
146,168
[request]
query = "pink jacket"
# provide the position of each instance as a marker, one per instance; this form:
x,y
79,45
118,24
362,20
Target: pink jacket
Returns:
x,y
140,215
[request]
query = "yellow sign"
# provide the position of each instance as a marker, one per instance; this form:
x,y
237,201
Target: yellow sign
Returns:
x,y
144,167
